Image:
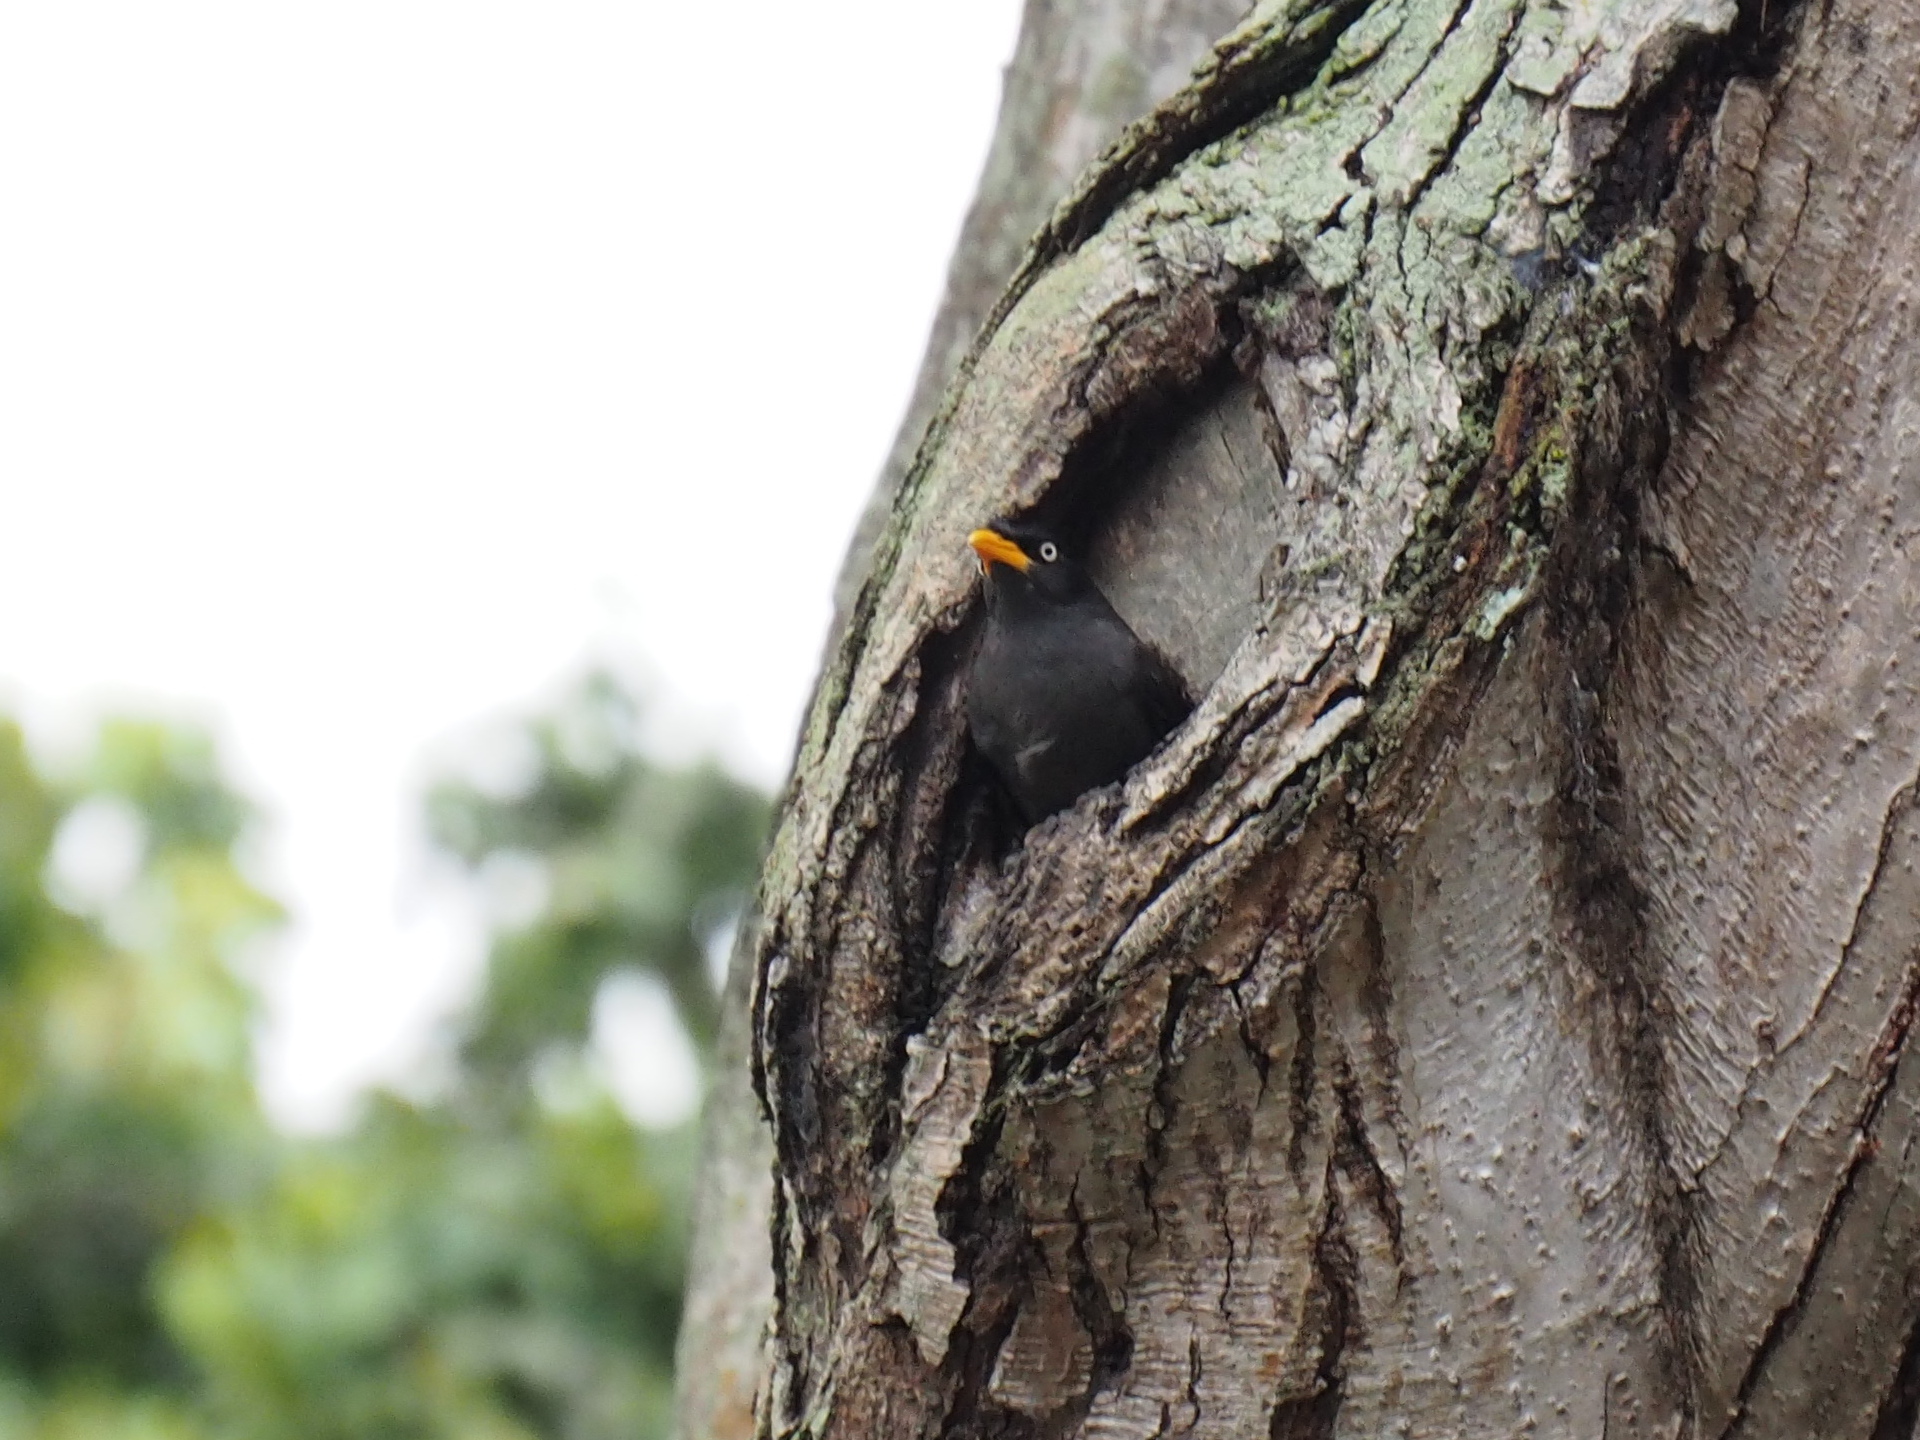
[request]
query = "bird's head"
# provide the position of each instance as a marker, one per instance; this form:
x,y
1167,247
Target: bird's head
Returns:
x,y
1022,559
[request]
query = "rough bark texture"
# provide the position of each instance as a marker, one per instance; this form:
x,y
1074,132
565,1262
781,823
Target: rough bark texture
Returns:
x,y
1488,1014
1082,71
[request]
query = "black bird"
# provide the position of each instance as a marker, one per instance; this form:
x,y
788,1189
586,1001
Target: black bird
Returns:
x,y
1063,695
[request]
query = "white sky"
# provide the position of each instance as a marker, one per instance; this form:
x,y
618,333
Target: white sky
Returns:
x,y
367,366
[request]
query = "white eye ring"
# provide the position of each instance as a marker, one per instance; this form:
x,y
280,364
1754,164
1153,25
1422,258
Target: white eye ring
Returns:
x,y
1049,551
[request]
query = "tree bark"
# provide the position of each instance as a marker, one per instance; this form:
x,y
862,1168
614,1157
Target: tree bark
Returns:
x,y
1081,72
1488,1014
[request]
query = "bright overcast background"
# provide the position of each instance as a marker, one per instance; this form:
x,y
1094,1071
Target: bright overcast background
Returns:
x,y
369,367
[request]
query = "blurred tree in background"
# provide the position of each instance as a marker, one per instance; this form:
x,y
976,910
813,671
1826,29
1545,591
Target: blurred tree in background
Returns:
x,y
126,1099
503,1260
644,866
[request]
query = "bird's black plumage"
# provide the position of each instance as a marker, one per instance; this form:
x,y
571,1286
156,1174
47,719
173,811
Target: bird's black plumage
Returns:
x,y
1063,695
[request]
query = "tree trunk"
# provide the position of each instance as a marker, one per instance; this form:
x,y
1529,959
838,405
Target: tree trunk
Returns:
x,y
1488,1014
1082,71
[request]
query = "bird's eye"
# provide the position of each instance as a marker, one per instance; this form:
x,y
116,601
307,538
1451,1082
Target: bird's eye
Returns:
x,y
1049,551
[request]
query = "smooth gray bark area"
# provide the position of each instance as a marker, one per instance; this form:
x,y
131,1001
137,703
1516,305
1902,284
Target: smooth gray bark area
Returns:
x,y
1083,70
1488,1014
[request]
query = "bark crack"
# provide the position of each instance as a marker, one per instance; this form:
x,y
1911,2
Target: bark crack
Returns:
x,y
1884,1061
1257,1054
1801,200
1333,1300
1362,1161
1896,810
1464,121
1161,1108
1376,994
1105,1324
1902,801
1301,1114
1195,1369
1223,1193
1899,1410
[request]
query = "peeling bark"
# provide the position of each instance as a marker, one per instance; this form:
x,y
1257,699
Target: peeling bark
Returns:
x,y
1488,1014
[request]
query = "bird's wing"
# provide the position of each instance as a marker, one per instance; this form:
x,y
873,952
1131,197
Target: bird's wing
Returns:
x,y
1164,694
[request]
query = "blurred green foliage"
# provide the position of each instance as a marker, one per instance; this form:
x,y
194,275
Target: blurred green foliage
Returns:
x,y
493,1262
643,864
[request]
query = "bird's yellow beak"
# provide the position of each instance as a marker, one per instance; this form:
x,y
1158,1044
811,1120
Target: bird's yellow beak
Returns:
x,y
993,548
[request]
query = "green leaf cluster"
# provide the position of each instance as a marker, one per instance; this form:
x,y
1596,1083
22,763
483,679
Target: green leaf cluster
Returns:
x,y
490,1262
